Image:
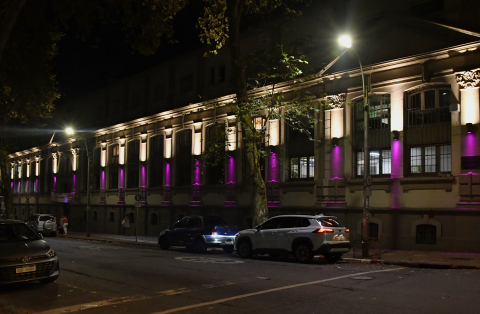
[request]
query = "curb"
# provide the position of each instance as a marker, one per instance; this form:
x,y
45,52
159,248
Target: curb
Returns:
x,y
106,240
410,264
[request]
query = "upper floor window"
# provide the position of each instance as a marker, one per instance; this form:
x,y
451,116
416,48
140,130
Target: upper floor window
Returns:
x,y
183,153
301,152
95,178
133,164
215,153
114,154
429,106
156,161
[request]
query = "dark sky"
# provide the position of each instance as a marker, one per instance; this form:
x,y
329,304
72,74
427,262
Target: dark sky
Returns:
x,y
105,57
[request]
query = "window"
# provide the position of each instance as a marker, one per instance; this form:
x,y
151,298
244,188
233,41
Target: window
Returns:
x,y
431,159
154,219
113,167
111,216
156,161
95,215
133,164
302,167
95,178
426,234
184,158
271,224
428,106
180,224
216,151
380,162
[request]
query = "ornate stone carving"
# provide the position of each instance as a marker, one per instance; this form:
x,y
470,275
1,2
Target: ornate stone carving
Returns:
x,y
468,79
334,101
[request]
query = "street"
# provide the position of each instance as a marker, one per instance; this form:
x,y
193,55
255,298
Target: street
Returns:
x,y
98,277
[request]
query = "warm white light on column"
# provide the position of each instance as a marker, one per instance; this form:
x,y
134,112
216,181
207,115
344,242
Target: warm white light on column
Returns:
x,y
274,132
19,170
396,110
28,168
168,148
12,171
103,155
143,147
121,152
231,138
469,108
54,163
336,123
37,166
197,143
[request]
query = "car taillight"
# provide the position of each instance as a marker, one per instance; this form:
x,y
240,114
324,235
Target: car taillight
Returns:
x,y
323,230
36,222
214,231
347,230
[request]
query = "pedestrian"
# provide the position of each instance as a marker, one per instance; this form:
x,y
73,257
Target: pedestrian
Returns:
x,y
126,226
65,224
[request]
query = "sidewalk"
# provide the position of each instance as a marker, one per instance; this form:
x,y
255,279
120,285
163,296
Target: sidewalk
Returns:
x,y
414,259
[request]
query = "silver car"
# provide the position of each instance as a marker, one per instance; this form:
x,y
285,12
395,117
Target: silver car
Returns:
x,y
302,235
43,223
24,255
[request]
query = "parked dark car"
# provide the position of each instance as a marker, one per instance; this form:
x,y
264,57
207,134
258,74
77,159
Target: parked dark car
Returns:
x,y
197,233
24,255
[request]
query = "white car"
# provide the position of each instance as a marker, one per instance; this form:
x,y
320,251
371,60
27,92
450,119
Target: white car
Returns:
x,y
302,235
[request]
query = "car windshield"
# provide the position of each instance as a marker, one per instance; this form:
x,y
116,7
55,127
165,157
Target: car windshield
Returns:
x,y
16,232
329,222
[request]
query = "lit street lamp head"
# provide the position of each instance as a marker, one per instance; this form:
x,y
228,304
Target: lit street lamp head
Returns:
x,y
345,41
69,131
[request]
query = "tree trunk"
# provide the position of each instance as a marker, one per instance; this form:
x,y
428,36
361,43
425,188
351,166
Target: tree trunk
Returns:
x,y
9,11
253,169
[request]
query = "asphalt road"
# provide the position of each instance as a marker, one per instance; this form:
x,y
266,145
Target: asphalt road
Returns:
x,y
99,277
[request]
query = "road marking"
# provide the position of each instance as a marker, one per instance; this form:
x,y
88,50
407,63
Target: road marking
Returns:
x,y
188,307
209,260
98,248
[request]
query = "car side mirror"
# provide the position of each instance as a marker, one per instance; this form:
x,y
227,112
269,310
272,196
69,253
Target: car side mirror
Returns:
x,y
258,228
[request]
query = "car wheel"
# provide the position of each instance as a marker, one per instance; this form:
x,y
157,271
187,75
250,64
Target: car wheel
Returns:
x,y
303,253
228,249
244,249
332,257
48,280
163,242
200,246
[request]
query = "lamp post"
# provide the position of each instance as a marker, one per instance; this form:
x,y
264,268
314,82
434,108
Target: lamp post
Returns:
x,y
346,41
72,132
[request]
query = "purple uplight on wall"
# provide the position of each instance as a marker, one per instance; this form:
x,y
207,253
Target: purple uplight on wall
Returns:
x,y
103,180
27,186
197,179
19,187
36,185
55,184
143,177
231,176
273,167
167,173
11,186
74,183
396,172
337,162
121,179
469,147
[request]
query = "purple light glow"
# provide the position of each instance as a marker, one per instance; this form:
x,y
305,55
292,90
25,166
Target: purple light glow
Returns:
x,y
11,186
121,179
337,162
197,172
167,174
231,177
54,183
103,180
36,185
27,187
469,147
19,187
396,172
74,181
273,162
143,176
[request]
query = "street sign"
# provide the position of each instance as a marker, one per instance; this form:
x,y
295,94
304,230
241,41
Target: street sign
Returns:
x,y
138,197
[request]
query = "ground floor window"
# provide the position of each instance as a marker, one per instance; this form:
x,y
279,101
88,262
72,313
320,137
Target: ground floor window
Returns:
x,y
431,159
302,167
380,162
426,234
154,219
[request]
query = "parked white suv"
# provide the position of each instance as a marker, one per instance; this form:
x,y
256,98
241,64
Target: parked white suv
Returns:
x,y
302,235
43,223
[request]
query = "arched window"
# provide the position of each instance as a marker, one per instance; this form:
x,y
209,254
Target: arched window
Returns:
x,y
156,161
113,167
183,155
215,154
300,151
426,234
133,164
64,174
378,135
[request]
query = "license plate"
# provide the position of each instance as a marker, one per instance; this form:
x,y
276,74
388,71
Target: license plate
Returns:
x,y
25,269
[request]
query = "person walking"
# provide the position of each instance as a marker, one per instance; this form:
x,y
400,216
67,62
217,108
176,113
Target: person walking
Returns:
x,y
126,226
65,224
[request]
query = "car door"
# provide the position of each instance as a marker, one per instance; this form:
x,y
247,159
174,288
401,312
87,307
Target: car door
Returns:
x,y
192,228
265,238
176,235
287,232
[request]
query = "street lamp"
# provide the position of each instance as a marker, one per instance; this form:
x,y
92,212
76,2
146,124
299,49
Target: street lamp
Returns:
x,y
72,132
347,42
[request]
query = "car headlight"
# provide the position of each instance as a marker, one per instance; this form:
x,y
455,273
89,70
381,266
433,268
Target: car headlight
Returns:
x,y
51,253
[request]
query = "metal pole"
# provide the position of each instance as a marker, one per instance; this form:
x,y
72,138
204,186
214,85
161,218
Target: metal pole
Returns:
x,y
88,187
366,165
136,226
